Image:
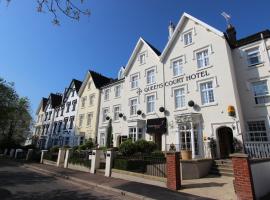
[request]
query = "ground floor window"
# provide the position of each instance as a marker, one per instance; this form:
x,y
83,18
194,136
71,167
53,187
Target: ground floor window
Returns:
x,y
257,131
102,139
66,141
133,132
185,137
81,140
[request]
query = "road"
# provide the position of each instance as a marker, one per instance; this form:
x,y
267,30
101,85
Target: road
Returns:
x,y
17,182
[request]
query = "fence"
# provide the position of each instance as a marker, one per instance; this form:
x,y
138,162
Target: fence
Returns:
x,y
51,156
80,158
258,149
151,164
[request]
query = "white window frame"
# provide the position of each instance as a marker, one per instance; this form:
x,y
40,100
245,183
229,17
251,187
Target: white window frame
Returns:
x,y
117,91
142,58
91,99
89,119
250,53
116,115
181,96
180,67
83,101
207,90
81,118
205,59
106,94
153,104
151,79
131,106
260,131
103,114
89,84
263,97
188,38
134,86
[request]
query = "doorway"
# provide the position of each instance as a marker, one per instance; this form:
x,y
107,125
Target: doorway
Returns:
x,y
158,140
225,140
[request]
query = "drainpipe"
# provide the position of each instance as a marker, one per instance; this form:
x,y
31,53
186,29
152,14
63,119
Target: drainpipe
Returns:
x,y
164,104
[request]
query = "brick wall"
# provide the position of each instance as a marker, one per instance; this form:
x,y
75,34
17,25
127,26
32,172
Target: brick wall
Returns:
x,y
243,183
173,171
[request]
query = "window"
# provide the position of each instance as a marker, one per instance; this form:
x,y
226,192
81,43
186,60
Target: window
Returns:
x,y
116,111
74,102
54,127
179,98
188,38
117,90
150,104
57,112
71,120
68,106
47,128
134,81
133,106
132,134
65,123
185,137
207,93
59,126
102,139
106,94
142,59
83,102
202,59
260,90
81,140
91,99
81,120
257,131
177,67
150,76
89,118
66,140
46,116
253,56
105,114
72,93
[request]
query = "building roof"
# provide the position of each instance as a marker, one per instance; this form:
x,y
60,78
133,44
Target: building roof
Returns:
x,y
42,104
77,84
251,38
140,42
55,100
99,80
113,82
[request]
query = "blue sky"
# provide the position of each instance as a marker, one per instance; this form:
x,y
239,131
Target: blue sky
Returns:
x,y
41,58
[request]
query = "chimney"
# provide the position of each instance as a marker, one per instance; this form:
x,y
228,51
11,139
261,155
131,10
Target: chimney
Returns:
x,y
171,29
231,34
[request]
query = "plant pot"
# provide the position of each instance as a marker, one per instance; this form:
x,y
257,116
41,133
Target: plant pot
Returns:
x,y
186,154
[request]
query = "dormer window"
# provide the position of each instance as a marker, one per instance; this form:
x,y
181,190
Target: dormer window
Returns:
x,y
188,38
72,93
253,56
142,59
89,85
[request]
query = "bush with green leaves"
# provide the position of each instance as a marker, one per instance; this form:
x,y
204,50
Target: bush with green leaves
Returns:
x,y
144,146
127,148
88,145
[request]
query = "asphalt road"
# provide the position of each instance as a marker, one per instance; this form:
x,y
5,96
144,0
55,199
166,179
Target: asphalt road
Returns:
x,y
19,183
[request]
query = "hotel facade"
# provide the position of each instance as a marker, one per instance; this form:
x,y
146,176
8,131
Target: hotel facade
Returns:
x,y
204,86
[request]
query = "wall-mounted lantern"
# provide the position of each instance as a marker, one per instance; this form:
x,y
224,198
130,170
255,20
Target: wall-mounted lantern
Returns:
x,y
107,118
191,103
139,112
231,111
120,115
161,109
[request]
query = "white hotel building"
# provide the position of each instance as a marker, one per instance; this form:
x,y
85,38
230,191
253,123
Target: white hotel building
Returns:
x,y
182,95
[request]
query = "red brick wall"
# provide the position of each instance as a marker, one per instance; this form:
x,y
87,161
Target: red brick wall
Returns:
x,y
243,183
173,171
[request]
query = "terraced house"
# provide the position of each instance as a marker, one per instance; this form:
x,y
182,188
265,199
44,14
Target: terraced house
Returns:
x,y
205,92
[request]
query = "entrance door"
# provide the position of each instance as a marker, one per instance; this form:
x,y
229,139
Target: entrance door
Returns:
x,y
157,140
225,138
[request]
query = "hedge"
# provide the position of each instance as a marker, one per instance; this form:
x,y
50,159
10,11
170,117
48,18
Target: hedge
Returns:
x,y
79,161
130,165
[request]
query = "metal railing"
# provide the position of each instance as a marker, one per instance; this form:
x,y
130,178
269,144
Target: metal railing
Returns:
x,y
80,158
150,164
258,149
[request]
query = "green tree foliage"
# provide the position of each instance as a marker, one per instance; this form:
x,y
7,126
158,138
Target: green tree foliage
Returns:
x,y
109,135
15,118
128,147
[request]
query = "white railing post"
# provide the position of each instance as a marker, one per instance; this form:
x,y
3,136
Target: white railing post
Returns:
x,y
42,155
61,157
95,161
29,154
109,162
68,152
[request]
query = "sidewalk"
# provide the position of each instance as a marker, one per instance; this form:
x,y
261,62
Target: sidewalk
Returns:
x,y
123,187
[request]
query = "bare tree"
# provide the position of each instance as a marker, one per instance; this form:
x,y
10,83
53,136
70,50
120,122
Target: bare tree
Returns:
x,y
67,7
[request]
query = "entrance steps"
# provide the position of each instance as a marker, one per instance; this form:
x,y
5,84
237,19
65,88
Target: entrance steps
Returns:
x,y
222,167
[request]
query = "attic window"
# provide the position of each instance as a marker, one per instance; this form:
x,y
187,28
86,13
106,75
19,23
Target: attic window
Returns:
x,y
142,59
188,38
89,85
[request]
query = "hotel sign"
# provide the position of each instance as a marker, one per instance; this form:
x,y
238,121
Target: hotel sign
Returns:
x,y
175,81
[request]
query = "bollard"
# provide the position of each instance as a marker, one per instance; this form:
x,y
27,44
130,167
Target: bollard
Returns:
x,y
109,162
95,162
61,157
42,155
68,152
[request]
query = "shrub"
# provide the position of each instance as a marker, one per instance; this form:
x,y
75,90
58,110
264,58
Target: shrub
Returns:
x,y
79,161
127,148
144,146
54,149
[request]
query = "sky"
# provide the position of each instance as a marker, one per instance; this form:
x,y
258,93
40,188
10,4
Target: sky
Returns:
x,y
41,58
